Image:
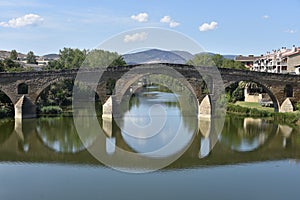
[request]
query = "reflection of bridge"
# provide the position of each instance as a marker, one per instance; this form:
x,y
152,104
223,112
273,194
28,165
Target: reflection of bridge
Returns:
x,y
25,145
278,86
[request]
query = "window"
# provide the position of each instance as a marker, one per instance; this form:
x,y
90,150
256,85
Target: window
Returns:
x,y
23,88
289,91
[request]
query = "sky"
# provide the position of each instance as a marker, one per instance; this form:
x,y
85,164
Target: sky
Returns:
x,y
225,27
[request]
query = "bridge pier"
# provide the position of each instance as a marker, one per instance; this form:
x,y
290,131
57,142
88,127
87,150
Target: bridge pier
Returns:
x,y
107,109
25,109
286,106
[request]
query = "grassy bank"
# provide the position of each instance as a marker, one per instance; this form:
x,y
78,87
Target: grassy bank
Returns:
x,y
255,110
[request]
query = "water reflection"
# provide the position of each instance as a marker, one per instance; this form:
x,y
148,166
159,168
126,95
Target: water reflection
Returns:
x,y
158,114
246,134
6,129
59,134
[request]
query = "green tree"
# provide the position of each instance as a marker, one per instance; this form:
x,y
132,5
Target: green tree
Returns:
x,y
227,63
31,58
2,69
218,60
9,65
13,55
101,58
71,58
119,61
203,59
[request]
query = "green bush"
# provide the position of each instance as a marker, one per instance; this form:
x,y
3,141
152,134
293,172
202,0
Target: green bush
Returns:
x,y
297,106
6,112
51,110
289,118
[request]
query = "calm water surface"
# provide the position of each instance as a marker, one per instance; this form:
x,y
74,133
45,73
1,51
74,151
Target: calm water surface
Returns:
x,y
44,158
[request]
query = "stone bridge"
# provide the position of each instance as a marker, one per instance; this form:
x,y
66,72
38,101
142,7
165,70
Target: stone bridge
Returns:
x,y
24,88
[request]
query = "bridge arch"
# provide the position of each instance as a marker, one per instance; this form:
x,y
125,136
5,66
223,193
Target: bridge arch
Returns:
x,y
261,84
55,81
6,101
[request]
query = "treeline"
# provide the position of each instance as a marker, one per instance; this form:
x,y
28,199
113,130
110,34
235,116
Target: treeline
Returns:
x,y
205,59
75,58
69,58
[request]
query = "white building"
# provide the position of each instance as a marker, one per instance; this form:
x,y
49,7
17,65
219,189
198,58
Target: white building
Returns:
x,y
279,61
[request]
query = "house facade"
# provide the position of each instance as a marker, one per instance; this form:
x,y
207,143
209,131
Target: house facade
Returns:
x,y
279,61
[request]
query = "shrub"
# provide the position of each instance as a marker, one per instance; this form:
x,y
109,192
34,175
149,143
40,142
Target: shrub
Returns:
x,y
51,110
6,112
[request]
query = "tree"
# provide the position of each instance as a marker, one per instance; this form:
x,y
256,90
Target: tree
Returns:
x,y
2,69
102,58
119,61
218,60
203,59
13,55
31,58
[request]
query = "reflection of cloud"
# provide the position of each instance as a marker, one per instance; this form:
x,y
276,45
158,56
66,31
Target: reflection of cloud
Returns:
x,y
136,37
208,27
141,17
168,20
26,20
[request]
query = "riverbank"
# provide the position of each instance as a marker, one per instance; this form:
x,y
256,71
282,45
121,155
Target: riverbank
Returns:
x,y
283,118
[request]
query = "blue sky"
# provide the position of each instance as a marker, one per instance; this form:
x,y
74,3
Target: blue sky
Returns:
x,y
226,27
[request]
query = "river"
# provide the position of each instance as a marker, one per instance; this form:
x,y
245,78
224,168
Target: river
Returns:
x,y
45,158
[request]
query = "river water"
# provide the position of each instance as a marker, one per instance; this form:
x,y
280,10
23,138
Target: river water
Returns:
x,y
45,158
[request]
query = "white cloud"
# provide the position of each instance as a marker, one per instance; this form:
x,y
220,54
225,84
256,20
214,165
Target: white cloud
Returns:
x,y
168,20
165,19
141,17
266,17
290,31
136,37
26,20
174,24
208,27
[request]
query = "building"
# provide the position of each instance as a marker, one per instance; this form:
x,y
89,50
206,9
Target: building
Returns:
x,y
247,61
279,61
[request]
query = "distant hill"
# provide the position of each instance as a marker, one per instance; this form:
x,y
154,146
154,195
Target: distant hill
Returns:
x,y
184,54
155,56
51,56
6,54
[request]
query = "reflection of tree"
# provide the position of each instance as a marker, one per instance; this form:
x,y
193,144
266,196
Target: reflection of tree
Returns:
x,y
240,137
60,134
6,128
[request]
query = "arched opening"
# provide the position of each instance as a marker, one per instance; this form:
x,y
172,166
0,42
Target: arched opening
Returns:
x,y
251,94
57,97
6,106
22,88
110,86
288,90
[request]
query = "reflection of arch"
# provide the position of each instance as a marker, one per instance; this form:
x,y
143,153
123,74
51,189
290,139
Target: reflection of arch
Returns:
x,y
22,88
246,125
6,127
269,92
65,140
